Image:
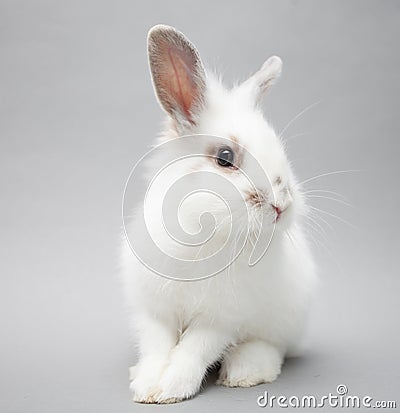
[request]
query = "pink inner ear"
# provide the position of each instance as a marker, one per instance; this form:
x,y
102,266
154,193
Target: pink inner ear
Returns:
x,y
175,70
179,79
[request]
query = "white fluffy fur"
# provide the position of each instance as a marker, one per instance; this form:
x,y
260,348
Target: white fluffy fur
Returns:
x,y
249,318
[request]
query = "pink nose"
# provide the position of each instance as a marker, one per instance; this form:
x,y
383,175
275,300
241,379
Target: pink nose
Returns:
x,y
278,211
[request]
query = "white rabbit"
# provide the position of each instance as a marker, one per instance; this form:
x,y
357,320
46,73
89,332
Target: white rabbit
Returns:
x,y
247,317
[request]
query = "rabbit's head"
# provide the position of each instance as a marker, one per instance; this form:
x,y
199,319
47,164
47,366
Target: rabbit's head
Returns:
x,y
227,127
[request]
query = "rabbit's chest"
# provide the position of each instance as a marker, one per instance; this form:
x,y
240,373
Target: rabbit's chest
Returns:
x,y
229,298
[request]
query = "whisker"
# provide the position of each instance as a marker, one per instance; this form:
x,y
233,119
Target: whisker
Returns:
x,y
316,241
333,199
325,191
297,135
297,116
328,250
291,238
324,239
228,272
333,216
317,228
251,240
327,223
328,174
231,258
313,218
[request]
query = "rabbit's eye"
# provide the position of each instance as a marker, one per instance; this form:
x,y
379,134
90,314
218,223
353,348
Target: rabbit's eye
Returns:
x,y
225,157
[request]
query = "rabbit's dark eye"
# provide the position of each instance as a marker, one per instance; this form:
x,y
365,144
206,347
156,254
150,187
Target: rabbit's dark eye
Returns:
x,y
225,157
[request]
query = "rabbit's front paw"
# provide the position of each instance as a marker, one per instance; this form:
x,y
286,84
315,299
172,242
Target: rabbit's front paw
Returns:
x,y
144,389
145,379
249,364
179,382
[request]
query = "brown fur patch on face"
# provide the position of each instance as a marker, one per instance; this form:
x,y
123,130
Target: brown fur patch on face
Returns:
x,y
256,198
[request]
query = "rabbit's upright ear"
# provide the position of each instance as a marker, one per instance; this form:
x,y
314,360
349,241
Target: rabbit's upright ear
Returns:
x,y
259,83
177,72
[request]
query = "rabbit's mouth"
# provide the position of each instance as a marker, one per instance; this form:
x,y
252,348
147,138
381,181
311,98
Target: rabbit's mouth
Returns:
x,y
259,200
283,216
271,215
278,212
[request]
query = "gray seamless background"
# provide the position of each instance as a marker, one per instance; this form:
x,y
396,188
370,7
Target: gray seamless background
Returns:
x,y
77,111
